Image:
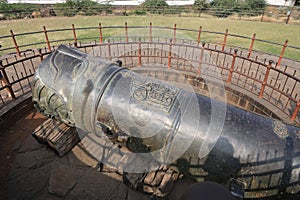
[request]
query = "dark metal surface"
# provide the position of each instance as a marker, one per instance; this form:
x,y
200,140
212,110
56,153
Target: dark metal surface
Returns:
x,y
198,136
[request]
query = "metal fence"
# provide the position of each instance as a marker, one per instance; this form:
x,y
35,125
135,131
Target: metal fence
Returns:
x,y
275,82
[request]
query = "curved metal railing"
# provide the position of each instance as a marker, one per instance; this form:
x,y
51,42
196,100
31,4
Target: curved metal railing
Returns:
x,y
275,82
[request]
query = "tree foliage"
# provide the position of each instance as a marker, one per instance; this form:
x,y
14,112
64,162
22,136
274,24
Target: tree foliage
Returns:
x,y
17,10
84,7
200,4
256,5
155,3
225,8
154,6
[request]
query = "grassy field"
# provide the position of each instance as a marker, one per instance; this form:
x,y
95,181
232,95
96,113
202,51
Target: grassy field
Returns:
x,y
275,32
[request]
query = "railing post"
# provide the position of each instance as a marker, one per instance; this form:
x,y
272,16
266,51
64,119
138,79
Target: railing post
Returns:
x,y
296,111
150,32
199,35
140,54
47,39
109,50
174,36
282,52
264,83
6,81
225,40
126,32
170,54
251,45
200,59
232,66
100,32
40,54
74,34
15,42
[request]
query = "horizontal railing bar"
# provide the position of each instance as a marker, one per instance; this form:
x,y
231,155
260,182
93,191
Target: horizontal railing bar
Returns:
x,y
28,33
21,79
5,36
86,28
63,40
58,30
21,60
8,48
269,42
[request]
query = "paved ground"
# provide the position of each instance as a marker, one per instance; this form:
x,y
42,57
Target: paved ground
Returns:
x,y
30,170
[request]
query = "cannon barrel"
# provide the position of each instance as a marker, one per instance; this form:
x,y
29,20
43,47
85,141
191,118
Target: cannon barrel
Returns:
x,y
207,139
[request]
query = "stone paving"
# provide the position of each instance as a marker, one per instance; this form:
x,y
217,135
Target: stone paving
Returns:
x,y
38,173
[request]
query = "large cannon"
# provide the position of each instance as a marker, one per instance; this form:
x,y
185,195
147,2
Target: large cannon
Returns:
x,y
252,155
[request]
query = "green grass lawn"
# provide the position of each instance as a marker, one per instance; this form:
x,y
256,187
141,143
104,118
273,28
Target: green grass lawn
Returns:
x,y
275,32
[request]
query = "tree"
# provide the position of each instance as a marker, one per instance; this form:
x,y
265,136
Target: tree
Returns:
x,y
223,8
155,3
155,6
256,5
200,4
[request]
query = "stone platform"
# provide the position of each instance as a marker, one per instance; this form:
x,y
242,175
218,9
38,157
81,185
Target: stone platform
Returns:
x,y
33,171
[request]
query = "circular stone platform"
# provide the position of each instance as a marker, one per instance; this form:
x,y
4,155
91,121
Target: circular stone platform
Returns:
x,y
30,170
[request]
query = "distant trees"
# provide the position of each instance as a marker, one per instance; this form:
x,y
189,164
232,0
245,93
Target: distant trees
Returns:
x,y
18,10
219,8
256,5
200,5
225,8
155,3
83,7
153,6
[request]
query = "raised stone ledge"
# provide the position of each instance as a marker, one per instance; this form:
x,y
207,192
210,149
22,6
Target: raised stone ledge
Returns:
x,y
14,109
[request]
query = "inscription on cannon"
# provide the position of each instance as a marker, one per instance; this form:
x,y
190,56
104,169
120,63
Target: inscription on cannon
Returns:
x,y
149,92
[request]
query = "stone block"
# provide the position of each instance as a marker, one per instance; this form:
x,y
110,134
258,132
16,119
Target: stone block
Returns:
x,y
62,179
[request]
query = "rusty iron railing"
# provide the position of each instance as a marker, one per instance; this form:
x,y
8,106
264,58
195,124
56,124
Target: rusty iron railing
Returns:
x,y
273,82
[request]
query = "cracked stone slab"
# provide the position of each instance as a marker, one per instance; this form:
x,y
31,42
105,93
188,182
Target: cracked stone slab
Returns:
x,y
17,146
28,161
30,144
95,185
62,179
29,185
